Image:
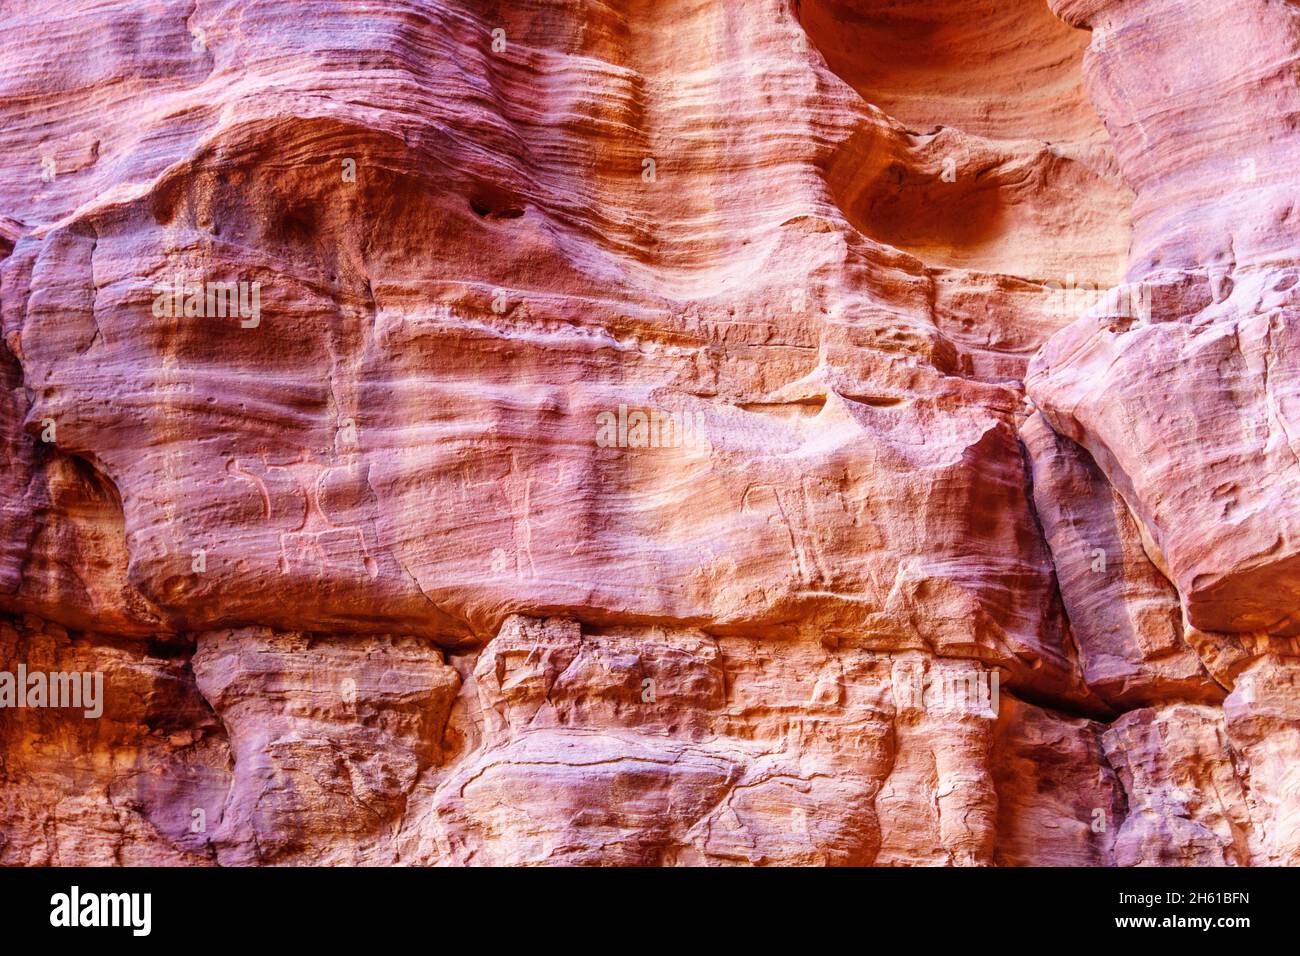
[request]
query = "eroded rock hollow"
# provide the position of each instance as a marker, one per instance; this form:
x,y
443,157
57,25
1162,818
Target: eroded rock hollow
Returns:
x,y
650,432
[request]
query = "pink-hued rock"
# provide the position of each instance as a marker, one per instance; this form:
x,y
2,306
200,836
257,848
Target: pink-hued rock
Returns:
x,y
1262,719
1124,613
1185,803
144,782
1059,802
471,433
1188,417
325,756
1187,404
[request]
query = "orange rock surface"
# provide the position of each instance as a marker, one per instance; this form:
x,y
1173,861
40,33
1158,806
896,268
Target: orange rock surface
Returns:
x,y
796,432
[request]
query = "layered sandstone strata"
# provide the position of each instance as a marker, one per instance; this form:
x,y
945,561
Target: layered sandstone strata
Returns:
x,y
908,544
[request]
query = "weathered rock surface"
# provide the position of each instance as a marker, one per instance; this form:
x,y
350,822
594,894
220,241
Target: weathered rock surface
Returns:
x,y
120,788
337,347
1125,614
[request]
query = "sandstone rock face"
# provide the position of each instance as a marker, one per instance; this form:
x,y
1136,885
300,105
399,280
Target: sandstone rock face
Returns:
x,y
786,432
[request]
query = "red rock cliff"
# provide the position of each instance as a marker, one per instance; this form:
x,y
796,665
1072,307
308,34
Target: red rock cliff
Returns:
x,y
650,432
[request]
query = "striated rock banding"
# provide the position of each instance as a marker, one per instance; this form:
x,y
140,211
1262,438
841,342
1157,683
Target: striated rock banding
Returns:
x,y
969,540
